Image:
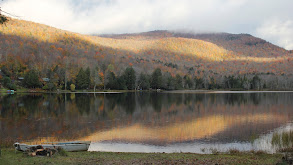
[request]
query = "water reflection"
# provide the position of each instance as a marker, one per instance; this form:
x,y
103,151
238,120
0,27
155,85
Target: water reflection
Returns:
x,y
155,120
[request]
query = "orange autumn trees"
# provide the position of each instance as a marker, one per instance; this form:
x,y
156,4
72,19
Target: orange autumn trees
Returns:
x,y
26,45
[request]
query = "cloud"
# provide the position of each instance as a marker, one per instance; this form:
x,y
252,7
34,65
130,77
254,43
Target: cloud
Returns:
x,y
277,31
130,16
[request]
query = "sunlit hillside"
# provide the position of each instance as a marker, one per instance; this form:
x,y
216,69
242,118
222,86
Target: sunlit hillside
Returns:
x,y
26,45
32,45
243,45
179,46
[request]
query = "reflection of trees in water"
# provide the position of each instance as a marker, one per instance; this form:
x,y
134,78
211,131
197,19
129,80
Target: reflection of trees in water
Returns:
x,y
14,106
156,102
71,115
235,99
6,103
129,102
179,99
83,103
244,98
126,101
142,99
255,98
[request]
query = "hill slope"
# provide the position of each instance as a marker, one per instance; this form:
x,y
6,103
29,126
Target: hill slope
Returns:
x,y
257,55
41,46
240,44
27,45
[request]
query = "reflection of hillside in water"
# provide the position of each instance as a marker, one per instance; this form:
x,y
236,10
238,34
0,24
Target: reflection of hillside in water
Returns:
x,y
155,118
201,128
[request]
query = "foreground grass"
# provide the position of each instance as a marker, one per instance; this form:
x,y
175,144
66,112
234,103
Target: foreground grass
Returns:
x,y
9,156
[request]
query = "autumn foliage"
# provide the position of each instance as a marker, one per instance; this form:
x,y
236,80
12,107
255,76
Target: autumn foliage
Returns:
x,y
26,45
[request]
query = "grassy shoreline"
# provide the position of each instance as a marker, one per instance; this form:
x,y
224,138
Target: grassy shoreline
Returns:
x,y
8,156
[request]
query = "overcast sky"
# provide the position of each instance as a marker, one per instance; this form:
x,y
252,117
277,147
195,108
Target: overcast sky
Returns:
x,y
271,20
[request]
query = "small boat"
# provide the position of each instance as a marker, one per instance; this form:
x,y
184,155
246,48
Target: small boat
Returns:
x,y
67,146
10,91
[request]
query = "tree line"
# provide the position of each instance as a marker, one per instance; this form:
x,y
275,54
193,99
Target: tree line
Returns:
x,y
104,78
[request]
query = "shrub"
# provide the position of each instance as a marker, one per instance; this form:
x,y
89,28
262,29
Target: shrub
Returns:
x,y
214,151
72,87
31,79
12,86
51,86
6,81
234,151
62,152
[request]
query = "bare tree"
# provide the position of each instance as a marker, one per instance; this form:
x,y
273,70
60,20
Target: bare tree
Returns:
x,y
3,18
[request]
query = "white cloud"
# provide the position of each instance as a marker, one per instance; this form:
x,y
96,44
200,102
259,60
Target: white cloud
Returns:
x,y
278,32
128,16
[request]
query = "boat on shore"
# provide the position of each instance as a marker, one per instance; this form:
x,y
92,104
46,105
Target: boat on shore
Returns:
x,y
67,146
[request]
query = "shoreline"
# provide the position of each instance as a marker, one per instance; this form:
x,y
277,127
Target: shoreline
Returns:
x,y
225,91
187,91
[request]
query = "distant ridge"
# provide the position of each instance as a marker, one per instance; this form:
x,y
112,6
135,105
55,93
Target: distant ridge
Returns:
x,y
242,44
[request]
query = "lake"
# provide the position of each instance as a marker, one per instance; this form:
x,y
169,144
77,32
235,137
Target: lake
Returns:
x,y
152,122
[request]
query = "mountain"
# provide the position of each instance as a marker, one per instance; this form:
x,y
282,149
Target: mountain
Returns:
x,y
26,45
241,44
244,48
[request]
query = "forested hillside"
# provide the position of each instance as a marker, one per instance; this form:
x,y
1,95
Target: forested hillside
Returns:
x,y
241,44
57,57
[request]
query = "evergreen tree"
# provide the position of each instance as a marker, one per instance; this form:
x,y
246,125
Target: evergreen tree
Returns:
x,y
168,81
88,77
121,83
212,84
198,83
178,82
233,82
246,83
256,83
112,81
81,80
143,81
6,81
31,79
156,79
130,78
188,84
3,18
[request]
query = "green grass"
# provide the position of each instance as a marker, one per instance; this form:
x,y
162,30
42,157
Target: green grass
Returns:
x,y
10,157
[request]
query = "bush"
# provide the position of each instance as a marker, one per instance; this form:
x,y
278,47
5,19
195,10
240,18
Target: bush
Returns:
x,y
6,81
31,79
234,151
214,151
51,86
72,87
45,87
62,152
12,87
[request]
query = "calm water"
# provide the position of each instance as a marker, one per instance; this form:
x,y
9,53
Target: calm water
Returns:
x,y
151,122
